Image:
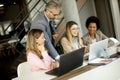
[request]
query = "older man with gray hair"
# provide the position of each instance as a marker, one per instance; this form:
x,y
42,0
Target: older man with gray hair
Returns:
x,y
44,21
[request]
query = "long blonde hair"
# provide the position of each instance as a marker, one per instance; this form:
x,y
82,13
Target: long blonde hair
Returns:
x,y
69,35
31,45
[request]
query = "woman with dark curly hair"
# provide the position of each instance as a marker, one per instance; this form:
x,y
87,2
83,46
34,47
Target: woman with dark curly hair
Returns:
x,y
94,34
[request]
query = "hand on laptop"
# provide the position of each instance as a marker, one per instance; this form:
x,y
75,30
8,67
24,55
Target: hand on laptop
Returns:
x,y
53,65
87,48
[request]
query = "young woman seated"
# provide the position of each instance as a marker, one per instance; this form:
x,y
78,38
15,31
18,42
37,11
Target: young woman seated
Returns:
x,y
37,56
93,34
72,40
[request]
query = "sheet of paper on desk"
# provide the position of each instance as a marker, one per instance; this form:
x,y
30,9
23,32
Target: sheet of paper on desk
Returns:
x,y
101,61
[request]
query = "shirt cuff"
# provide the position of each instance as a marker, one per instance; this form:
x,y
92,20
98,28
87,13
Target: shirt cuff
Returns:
x,y
57,63
57,57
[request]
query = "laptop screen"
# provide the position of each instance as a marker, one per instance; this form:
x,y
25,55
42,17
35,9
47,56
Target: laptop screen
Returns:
x,y
71,61
96,49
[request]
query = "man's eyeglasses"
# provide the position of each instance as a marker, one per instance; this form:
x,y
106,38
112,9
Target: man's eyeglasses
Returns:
x,y
53,13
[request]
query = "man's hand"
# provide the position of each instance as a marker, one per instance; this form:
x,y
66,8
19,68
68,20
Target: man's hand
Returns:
x,y
55,36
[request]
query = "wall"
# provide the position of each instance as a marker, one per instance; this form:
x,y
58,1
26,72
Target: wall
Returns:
x,y
87,10
116,17
101,9
119,4
104,14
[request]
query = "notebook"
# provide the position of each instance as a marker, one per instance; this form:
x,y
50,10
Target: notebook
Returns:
x,y
98,54
68,62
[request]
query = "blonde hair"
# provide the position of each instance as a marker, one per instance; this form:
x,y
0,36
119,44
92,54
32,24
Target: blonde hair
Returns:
x,y
69,35
31,45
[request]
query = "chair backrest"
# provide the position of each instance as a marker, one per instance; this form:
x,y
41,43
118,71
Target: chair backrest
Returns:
x,y
59,48
23,69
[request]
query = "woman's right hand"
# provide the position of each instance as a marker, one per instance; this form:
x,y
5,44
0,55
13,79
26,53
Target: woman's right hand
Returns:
x,y
87,49
41,47
53,65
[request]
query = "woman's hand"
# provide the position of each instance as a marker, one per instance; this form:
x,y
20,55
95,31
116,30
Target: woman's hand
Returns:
x,y
55,36
53,65
87,48
41,47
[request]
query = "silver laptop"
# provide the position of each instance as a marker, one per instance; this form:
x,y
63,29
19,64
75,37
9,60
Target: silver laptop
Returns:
x,y
98,54
97,49
68,62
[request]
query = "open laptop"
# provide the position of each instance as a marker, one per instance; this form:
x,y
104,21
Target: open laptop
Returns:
x,y
98,54
97,48
68,62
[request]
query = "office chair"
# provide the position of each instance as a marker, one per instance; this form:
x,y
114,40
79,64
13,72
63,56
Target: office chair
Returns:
x,y
23,69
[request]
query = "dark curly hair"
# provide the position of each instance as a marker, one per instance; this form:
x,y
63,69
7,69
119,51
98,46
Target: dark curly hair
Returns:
x,y
93,19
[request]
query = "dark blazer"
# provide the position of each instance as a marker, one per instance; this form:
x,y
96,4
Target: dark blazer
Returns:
x,y
41,22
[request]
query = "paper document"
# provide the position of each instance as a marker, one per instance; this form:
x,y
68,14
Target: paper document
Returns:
x,y
101,61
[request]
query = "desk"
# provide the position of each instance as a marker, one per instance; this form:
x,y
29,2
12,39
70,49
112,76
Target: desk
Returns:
x,y
40,75
110,71
27,74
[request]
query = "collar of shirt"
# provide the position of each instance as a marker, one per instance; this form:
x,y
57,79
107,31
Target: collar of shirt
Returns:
x,y
46,17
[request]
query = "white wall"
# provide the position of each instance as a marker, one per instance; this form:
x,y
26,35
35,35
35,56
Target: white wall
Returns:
x,y
87,10
116,17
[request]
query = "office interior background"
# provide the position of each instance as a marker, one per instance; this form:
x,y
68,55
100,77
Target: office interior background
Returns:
x,y
16,17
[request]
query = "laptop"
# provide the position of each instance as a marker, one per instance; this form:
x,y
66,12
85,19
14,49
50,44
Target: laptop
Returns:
x,y
97,48
68,62
98,54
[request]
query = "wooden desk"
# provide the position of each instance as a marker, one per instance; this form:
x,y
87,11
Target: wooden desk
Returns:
x,y
75,73
27,74
110,71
